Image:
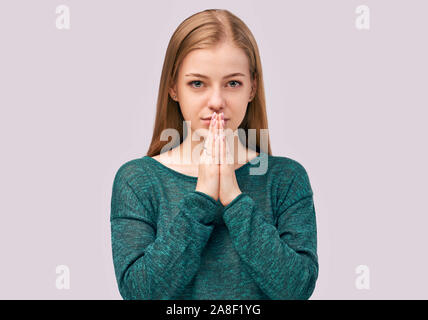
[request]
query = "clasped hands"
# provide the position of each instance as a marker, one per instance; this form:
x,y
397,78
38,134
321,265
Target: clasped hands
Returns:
x,y
216,175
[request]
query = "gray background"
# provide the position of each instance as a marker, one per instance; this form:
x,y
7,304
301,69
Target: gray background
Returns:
x,y
349,105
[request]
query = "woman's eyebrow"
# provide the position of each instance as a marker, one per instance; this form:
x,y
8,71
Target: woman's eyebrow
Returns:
x,y
236,74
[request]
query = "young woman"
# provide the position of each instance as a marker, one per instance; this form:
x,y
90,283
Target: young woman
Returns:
x,y
194,220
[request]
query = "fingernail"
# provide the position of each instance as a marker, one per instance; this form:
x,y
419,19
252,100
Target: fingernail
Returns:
x,y
222,115
222,123
214,122
213,116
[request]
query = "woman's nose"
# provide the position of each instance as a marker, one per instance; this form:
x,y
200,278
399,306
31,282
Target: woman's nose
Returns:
x,y
216,101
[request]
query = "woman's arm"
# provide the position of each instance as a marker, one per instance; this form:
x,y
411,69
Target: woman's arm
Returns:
x,y
282,260
156,267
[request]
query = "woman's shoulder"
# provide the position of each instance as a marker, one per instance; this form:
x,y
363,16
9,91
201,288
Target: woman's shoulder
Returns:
x,y
286,166
137,169
288,163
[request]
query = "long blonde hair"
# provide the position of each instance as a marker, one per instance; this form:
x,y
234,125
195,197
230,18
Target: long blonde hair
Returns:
x,y
206,29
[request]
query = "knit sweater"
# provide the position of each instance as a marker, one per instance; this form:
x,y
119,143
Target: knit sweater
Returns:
x,y
172,242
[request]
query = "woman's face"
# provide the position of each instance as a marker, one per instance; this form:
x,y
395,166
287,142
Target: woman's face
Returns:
x,y
215,79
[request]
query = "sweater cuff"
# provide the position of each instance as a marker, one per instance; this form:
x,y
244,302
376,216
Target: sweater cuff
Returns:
x,y
243,202
201,206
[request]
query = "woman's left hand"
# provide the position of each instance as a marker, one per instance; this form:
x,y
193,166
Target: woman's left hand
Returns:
x,y
229,188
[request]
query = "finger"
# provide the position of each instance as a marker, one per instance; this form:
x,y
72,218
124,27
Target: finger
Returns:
x,y
215,146
220,142
228,156
213,138
221,149
218,139
212,128
210,131
208,141
220,132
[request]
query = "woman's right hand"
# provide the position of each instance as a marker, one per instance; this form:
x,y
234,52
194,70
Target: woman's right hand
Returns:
x,y
209,169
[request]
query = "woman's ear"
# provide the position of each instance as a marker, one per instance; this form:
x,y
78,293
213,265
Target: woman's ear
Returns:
x,y
173,93
253,89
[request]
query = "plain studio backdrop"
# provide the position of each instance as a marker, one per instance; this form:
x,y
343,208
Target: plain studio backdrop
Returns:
x,y
349,104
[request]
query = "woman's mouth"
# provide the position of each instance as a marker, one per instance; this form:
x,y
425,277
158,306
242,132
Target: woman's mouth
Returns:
x,y
207,121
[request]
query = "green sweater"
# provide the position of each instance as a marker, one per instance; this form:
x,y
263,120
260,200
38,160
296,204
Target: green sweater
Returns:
x,y
172,242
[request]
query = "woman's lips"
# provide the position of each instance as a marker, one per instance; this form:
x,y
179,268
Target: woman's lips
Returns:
x,y
209,120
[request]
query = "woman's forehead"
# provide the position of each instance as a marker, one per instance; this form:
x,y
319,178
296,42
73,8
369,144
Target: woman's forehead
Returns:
x,y
215,62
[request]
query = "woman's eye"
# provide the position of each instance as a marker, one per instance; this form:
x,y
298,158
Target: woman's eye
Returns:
x,y
238,83
196,83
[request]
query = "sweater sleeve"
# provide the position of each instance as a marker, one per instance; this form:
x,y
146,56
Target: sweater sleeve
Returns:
x,y
282,260
154,267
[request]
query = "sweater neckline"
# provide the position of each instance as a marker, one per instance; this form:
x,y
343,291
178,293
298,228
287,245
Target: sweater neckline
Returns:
x,y
238,171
